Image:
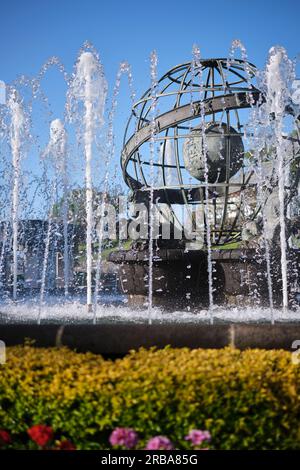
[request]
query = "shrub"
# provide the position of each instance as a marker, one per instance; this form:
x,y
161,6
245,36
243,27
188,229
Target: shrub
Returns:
x,y
247,400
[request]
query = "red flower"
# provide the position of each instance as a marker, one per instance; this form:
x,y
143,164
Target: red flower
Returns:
x,y
40,434
66,445
4,437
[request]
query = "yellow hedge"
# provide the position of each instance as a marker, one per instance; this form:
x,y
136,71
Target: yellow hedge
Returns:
x,y
247,400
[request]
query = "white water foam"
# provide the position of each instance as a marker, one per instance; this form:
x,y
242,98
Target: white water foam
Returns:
x,y
113,309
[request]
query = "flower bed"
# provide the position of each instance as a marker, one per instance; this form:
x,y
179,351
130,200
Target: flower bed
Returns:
x,y
246,400
42,437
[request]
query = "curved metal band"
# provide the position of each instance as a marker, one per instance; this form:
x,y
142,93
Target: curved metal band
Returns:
x,y
179,115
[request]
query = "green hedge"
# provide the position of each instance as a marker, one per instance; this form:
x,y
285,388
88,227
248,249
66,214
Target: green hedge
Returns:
x,y
247,400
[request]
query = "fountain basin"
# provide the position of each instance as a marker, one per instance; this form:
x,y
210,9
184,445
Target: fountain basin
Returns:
x,y
119,339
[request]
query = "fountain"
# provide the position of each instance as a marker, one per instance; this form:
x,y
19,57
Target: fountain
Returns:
x,y
214,173
208,232
89,87
17,131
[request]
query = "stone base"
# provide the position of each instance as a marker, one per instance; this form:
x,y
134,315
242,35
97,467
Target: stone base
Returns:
x,y
180,278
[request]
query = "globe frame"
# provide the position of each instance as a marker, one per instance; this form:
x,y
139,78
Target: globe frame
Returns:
x,y
226,89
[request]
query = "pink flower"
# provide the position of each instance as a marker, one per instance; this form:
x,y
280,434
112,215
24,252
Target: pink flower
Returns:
x,y
125,437
159,443
4,437
197,437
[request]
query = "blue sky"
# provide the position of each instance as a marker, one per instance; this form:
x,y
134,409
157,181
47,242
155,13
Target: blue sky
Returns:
x,y
33,30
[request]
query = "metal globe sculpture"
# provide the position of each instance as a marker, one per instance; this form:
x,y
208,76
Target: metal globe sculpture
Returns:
x,y
198,130
196,149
